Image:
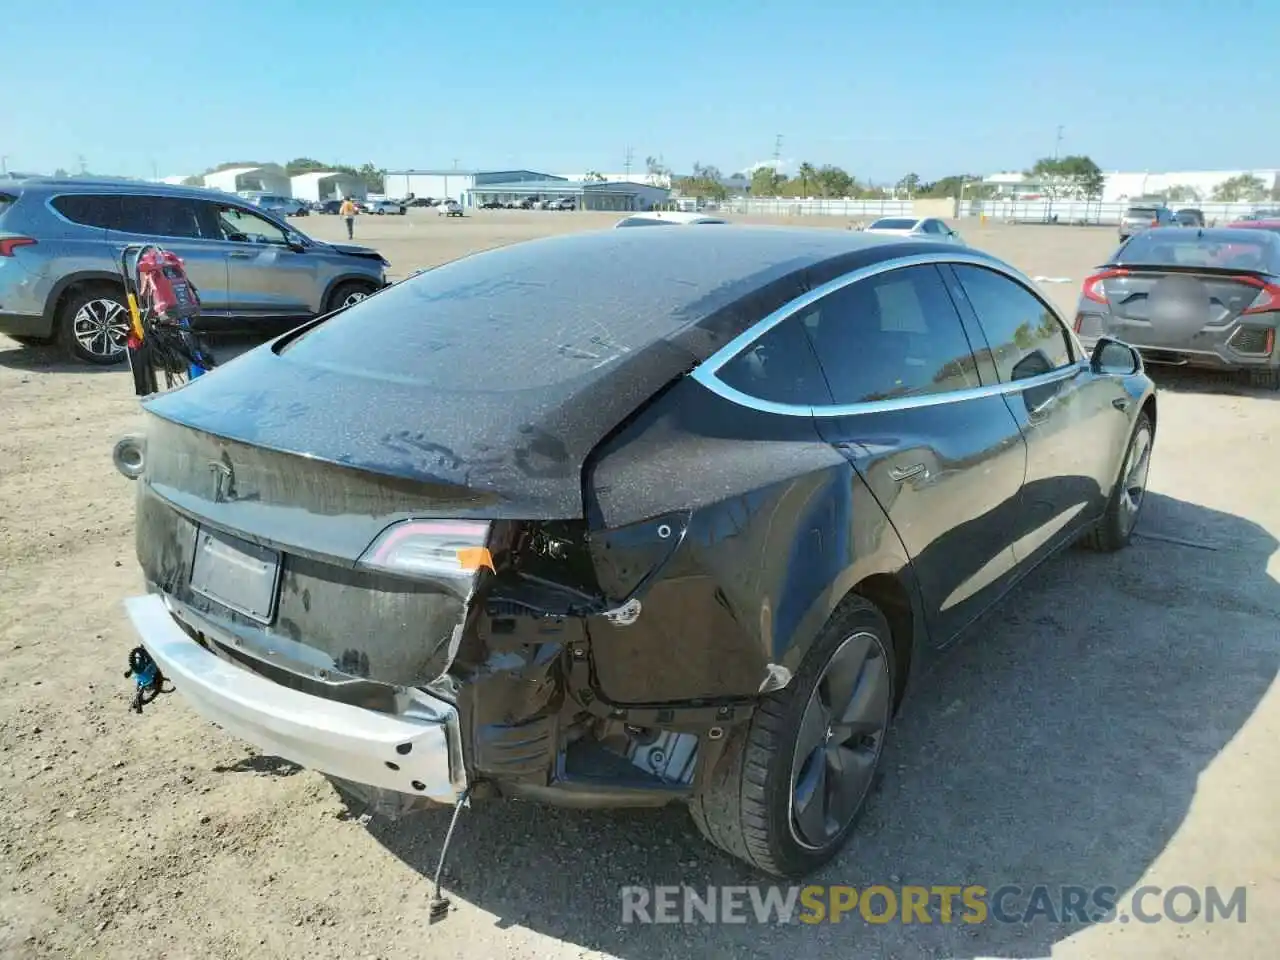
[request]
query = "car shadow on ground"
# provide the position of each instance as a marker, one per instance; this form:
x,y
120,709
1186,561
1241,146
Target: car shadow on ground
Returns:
x,y
53,359
1059,745
1226,383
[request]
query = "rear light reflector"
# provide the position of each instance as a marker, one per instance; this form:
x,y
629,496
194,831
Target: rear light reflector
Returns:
x,y
431,550
1093,285
1268,298
9,244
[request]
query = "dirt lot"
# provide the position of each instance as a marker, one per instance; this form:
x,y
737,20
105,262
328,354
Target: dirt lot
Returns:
x,y
1116,725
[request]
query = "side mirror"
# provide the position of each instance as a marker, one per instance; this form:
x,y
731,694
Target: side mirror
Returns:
x,y
295,243
1113,357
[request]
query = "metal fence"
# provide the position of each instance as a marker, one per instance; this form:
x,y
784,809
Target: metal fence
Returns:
x,y
815,207
1095,211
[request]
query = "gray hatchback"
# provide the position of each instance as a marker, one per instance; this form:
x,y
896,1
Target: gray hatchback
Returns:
x,y
60,246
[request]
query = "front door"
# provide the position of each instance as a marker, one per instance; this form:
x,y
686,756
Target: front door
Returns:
x,y
1075,432
265,277
172,223
943,456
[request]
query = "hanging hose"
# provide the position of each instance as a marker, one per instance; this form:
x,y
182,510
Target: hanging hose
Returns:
x,y
162,302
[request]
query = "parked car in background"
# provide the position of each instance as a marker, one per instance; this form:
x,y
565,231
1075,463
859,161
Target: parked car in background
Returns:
x,y
421,202
1205,298
449,208
281,206
60,246
1258,224
609,589
1144,216
927,228
659,218
1189,217
564,203
330,207
492,205
381,207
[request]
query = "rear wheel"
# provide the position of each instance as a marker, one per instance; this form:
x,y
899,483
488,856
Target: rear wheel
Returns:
x,y
790,787
93,325
349,293
1115,529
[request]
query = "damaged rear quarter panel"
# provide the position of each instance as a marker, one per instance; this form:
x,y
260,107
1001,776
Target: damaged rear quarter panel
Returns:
x,y
780,528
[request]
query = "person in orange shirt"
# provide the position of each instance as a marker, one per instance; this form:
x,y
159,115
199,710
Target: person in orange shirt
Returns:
x,y
348,213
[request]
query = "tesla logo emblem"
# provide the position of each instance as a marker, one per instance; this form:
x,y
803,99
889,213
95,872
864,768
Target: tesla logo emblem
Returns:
x,y
224,480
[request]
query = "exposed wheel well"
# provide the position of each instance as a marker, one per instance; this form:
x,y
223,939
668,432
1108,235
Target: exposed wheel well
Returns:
x,y
79,286
1149,408
888,593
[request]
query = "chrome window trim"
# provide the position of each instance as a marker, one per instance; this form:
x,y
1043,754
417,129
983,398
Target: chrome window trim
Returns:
x,y
707,373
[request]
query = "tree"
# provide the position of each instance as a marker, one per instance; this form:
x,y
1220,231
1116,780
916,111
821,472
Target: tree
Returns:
x,y
701,186
61,173
1243,187
834,182
1072,176
656,171
951,186
910,185
1180,193
193,181
766,182
373,177
708,171
304,165
593,176
808,175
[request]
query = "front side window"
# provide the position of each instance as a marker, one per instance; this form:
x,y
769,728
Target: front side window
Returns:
x,y
893,335
1027,339
239,225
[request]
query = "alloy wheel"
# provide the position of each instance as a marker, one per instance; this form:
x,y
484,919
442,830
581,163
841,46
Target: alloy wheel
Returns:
x,y
1134,478
101,328
355,296
841,737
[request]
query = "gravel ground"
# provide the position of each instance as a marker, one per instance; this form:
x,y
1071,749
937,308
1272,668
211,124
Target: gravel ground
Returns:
x,y
1115,724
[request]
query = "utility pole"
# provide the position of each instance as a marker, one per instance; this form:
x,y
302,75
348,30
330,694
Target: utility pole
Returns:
x,y
455,163
1057,143
777,152
4,165
84,167
626,165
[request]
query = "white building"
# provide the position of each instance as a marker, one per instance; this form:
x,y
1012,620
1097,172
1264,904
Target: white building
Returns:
x,y
587,194
453,184
1201,183
636,176
268,178
321,185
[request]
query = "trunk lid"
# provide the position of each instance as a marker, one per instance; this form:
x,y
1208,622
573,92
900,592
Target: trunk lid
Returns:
x,y
1168,306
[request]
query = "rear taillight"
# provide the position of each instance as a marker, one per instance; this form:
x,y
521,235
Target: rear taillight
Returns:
x,y
431,550
10,244
1093,289
1268,298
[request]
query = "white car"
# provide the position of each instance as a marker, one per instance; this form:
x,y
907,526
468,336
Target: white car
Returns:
x,y
927,228
384,206
448,208
658,218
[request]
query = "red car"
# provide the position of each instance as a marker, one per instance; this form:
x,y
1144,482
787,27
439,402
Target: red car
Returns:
x,y
1271,223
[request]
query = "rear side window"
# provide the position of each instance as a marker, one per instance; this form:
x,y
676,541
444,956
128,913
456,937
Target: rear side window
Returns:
x,y
893,224
893,335
90,210
160,216
780,367
1027,339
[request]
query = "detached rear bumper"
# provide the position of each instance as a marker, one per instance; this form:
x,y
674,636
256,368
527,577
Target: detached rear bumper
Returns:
x,y
414,753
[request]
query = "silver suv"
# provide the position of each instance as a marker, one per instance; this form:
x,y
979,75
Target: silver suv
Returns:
x,y
60,245
1143,216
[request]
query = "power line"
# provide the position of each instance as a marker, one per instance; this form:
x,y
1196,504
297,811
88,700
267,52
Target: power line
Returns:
x,y
777,152
1057,144
626,166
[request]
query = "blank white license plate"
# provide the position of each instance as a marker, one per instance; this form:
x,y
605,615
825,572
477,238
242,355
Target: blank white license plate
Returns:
x,y
236,574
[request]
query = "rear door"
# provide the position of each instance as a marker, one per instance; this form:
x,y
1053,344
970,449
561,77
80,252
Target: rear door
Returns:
x,y
173,223
265,277
944,457
1074,421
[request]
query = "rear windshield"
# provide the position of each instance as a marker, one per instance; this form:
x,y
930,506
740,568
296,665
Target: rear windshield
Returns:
x,y
1142,213
1198,249
893,224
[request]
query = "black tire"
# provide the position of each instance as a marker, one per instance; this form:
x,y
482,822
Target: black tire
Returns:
x,y
81,333
746,805
1268,379
349,292
1115,528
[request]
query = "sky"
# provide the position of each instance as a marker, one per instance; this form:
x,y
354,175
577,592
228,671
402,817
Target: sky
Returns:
x,y
881,89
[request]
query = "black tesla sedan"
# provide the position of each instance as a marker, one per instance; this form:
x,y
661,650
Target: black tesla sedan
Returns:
x,y
626,518
1206,298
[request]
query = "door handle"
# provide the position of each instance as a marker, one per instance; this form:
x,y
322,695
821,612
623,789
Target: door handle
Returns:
x,y
900,474
237,255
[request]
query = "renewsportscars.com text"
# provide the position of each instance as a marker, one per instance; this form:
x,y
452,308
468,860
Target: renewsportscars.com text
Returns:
x,y
943,904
